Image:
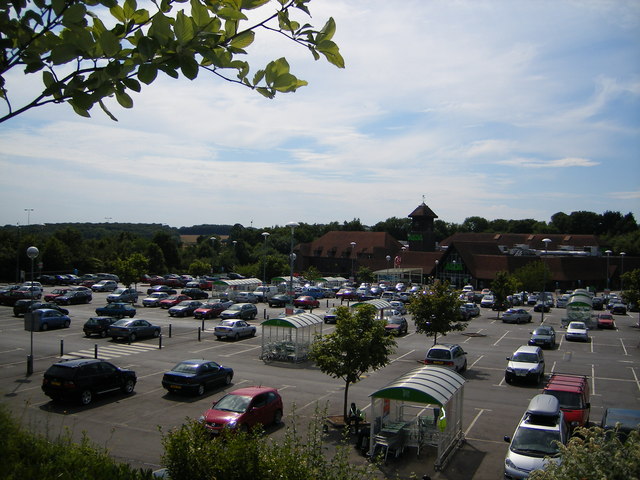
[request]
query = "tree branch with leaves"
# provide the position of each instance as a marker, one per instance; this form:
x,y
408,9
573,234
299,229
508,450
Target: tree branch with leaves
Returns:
x,y
82,61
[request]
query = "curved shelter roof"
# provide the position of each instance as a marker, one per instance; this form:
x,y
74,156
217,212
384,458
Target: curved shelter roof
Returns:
x,y
300,320
427,384
580,300
240,281
376,302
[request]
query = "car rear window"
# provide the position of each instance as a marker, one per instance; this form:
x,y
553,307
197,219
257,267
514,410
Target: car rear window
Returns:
x,y
61,371
439,353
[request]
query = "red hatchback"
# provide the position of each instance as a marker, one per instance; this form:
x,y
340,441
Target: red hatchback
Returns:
x,y
306,302
243,409
605,320
173,300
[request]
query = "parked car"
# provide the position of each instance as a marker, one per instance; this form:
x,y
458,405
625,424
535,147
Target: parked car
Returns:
x,y
577,331
29,291
572,391
104,286
25,305
562,300
117,309
234,329
543,336
540,306
6,294
244,409
98,326
330,316
201,283
279,300
472,309
132,329
622,420
618,309
526,363
487,301
195,293
306,301
161,288
154,299
74,297
399,306
195,376
536,439
126,295
347,294
184,308
516,315
56,292
264,292
448,355
173,300
46,318
396,325
245,297
605,320
84,378
597,303
241,311
212,308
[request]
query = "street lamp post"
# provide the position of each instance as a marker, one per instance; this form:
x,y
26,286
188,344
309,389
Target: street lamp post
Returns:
x,y
213,254
28,210
292,258
608,252
622,254
546,242
264,265
353,248
32,253
388,266
437,262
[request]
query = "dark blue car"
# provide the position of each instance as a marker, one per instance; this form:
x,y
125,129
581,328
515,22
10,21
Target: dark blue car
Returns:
x,y
195,376
116,309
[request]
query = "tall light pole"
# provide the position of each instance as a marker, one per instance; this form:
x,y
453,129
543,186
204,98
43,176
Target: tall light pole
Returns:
x,y
622,254
292,226
388,266
32,253
28,210
353,248
213,254
437,262
608,252
546,242
264,264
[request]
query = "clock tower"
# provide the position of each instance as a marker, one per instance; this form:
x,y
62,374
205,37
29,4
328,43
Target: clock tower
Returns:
x,y
421,235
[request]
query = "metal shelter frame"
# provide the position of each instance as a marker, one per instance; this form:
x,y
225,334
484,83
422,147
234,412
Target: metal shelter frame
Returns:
x,y
288,339
228,288
580,308
419,409
381,306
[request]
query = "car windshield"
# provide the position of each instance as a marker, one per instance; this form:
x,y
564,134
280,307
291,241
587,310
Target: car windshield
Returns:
x,y
227,323
122,323
158,295
118,290
184,303
577,326
525,357
237,306
567,400
233,403
542,331
535,442
93,321
439,353
395,320
185,368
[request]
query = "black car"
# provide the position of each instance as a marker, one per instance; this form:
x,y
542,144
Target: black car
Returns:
x,y
83,378
597,303
162,288
98,326
279,301
195,293
132,329
543,336
195,376
74,297
25,305
618,309
117,309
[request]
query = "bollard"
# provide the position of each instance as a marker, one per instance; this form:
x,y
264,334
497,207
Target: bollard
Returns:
x,y
199,333
203,324
169,330
264,314
95,351
160,342
62,347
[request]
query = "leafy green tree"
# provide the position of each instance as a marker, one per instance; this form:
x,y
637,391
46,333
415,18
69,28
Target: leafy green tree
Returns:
x,y
358,344
312,273
130,269
398,228
533,275
475,224
438,311
594,454
85,52
631,292
502,286
198,268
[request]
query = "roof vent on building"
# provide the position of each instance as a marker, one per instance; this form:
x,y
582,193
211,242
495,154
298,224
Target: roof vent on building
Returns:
x,y
497,236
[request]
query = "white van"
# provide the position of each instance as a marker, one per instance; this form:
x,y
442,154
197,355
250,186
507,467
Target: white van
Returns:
x,y
265,292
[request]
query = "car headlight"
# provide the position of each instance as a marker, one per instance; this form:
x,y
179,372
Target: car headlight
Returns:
x,y
231,424
509,369
201,419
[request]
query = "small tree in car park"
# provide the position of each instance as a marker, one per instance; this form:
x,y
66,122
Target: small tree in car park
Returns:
x,y
501,287
437,311
631,292
358,344
131,269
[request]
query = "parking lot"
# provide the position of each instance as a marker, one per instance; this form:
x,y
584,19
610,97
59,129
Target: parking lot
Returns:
x,y
130,426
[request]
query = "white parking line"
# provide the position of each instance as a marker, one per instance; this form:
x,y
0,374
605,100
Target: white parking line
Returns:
x,y
623,347
633,372
475,419
241,351
498,341
402,356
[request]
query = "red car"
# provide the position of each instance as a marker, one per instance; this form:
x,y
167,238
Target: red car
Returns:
x,y
306,302
605,320
211,309
243,409
55,293
173,300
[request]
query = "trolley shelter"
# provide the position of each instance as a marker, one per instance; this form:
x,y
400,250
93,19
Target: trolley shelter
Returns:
x,y
422,408
579,308
383,306
289,338
230,287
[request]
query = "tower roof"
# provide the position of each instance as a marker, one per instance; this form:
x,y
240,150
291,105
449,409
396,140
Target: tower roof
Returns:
x,y
423,211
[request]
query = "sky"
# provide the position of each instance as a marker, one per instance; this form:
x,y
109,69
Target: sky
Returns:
x,y
498,109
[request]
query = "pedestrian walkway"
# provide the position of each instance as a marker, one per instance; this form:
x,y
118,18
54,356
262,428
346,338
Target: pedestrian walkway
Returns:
x,y
107,352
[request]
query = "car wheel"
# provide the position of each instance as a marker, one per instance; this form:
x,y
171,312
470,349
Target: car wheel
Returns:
x,y
200,390
253,333
464,367
507,379
86,397
67,323
277,417
156,333
236,336
227,379
128,386
44,326
87,334
103,334
132,337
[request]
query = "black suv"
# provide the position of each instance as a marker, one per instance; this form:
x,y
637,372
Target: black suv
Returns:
x,y
81,379
26,305
195,293
98,325
74,297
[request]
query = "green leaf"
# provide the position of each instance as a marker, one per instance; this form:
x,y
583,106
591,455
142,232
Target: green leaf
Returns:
x,y
243,40
140,17
48,79
62,54
146,48
82,100
105,110
265,92
161,28
118,12
331,52
327,31
199,13
251,4
227,13
183,28
169,71
75,14
147,73
189,67
124,99
80,111
58,6
287,83
109,43
132,84
257,78
129,8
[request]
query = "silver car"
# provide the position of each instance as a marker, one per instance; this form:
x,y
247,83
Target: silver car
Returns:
x,y
154,299
234,329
